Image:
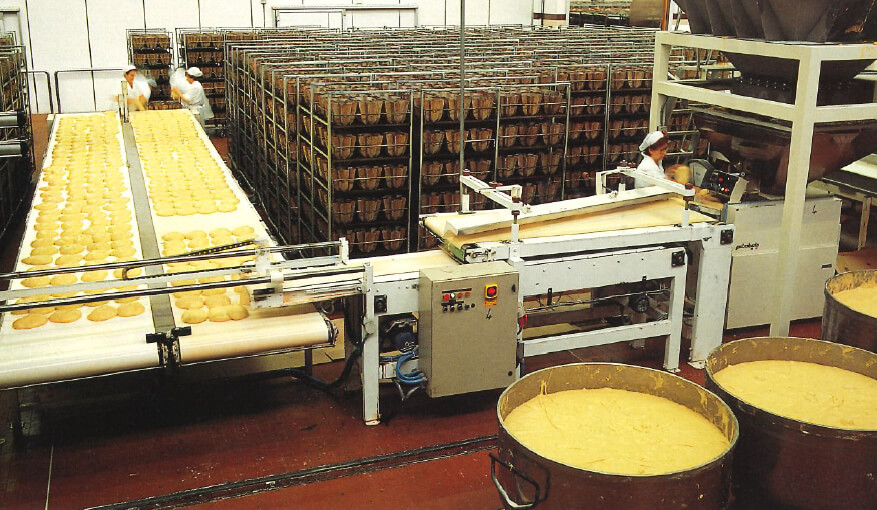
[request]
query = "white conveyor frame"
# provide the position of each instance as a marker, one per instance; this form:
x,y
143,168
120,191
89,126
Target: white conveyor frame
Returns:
x,y
804,114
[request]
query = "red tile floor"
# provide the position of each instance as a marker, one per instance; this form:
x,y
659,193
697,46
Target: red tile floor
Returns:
x,y
125,442
134,441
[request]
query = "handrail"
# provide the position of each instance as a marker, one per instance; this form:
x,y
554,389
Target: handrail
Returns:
x,y
84,70
48,86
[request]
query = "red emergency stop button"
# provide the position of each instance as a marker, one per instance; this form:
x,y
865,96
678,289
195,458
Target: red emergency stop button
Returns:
x,y
491,291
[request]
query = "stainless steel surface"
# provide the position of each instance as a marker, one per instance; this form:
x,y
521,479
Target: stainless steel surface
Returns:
x,y
840,323
786,463
565,487
756,255
160,304
467,343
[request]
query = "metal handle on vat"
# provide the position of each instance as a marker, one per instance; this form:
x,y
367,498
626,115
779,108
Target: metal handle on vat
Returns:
x,y
504,495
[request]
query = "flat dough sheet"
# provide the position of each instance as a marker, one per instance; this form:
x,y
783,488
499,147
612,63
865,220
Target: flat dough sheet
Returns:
x,y
654,214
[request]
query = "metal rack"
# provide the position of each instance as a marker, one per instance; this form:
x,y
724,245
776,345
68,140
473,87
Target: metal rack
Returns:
x,y
799,116
576,123
151,50
206,49
16,136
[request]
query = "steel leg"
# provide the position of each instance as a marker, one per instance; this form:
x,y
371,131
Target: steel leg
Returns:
x,y
863,224
673,344
713,277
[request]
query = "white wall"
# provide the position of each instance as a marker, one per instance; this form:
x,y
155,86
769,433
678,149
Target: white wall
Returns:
x,y
81,34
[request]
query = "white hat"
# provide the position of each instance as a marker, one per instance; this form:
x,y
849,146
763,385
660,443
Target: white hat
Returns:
x,y
128,68
194,72
651,139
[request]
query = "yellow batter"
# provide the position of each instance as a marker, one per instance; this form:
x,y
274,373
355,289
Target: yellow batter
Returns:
x,y
807,392
616,431
861,299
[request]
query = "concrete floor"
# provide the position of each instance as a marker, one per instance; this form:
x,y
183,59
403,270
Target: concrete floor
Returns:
x,y
140,441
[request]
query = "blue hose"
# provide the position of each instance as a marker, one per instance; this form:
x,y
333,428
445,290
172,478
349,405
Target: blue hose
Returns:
x,y
413,377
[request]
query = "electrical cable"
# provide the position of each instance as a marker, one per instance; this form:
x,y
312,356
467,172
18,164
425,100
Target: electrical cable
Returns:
x,y
324,385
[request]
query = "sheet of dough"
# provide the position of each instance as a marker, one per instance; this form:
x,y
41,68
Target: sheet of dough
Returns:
x,y
82,348
654,214
485,221
264,330
408,262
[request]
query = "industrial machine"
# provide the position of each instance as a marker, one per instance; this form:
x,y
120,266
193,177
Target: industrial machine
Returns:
x,y
591,271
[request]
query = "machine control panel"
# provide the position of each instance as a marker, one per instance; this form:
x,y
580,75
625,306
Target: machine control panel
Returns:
x,y
720,182
467,327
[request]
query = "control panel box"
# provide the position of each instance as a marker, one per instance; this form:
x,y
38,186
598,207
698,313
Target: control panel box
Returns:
x,y
468,325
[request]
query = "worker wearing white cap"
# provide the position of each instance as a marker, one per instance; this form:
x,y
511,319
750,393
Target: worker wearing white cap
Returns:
x,y
654,150
192,96
137,91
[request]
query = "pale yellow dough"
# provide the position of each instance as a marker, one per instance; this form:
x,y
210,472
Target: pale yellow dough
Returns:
x,y
194,316
190,302
616,431
236,312
30,321
102,313
807,392
861,299
65,316
217,301
131,309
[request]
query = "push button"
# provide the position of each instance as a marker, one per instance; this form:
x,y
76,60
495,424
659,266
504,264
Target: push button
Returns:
x,y
491,291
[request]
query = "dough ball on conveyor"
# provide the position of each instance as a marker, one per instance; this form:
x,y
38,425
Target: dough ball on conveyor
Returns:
x,y
236,312
194,316
37,260
36,282
219,314
68,260
131,309
102,313
94,276
45,250
30,321
63,279
190,302
217,301
65,316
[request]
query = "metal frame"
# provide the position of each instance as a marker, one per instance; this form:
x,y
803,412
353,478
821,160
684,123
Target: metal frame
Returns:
x,y
804,114
343,10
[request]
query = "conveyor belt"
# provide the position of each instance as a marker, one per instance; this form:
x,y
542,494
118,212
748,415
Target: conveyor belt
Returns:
x,y
264,331
83,348
56,352
653,214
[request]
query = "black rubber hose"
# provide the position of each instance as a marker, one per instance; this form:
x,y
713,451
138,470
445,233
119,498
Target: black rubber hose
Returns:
x,y
324,385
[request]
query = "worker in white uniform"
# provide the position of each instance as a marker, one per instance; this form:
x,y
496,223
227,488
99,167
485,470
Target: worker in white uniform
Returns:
x,y
654,150
137,91
192,96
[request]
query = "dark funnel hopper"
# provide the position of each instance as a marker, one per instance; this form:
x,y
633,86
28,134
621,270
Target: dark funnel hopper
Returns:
x,y
801,21
698,16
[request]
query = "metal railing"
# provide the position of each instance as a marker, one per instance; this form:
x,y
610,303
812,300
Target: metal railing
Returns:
x,y
91,70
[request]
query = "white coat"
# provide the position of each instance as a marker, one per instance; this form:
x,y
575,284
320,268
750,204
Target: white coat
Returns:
x,y
649,167
194,99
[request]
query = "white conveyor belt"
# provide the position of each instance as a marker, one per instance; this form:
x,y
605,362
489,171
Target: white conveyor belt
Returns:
x,y
56,352
264,331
